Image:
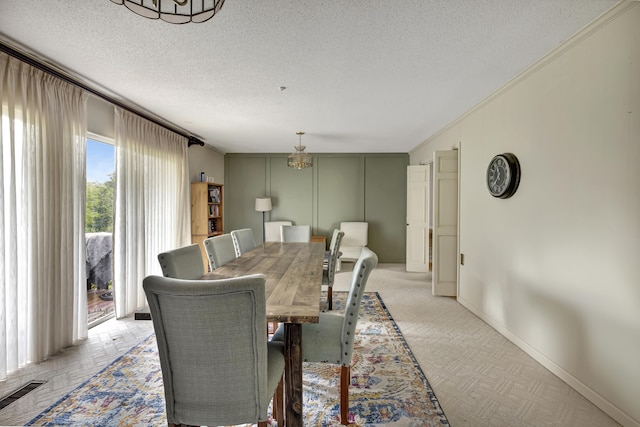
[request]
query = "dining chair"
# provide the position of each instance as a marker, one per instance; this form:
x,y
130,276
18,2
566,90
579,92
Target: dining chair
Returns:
x,y
328,274
295,233
243,240
182,263
331,339
205,380
272,230
220,250
356,237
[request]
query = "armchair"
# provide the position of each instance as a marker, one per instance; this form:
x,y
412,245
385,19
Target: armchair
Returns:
x,y
356,237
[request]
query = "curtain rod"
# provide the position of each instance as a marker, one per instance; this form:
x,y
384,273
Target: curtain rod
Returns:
x,y
47,69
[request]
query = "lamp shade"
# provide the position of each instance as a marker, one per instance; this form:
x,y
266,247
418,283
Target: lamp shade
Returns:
x,y
263,204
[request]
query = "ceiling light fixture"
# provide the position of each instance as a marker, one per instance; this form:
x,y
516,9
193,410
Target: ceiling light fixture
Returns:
x,y
174,11
299,159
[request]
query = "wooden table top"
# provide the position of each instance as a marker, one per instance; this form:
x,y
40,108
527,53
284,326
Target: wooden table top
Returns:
x,y
293,278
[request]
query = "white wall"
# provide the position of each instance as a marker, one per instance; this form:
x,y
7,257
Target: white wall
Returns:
x,y
201,158
556,267
100,117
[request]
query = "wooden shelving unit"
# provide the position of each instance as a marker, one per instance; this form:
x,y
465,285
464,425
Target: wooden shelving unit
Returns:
x,y
207,213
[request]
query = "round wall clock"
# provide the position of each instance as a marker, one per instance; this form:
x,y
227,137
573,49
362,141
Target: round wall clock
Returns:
x,y
503,175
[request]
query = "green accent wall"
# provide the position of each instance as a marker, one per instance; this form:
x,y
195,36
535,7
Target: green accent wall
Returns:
x,y
339,187
340,192
290,192
385,205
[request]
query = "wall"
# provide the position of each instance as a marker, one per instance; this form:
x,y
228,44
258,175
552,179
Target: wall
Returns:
x,y
100,117
555,268
205,159
101,122
340,187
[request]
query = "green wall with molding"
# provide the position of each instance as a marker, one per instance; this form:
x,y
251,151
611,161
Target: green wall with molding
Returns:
x,y
339,187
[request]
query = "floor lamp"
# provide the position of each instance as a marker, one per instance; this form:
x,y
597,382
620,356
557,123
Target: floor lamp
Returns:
x,y
263,204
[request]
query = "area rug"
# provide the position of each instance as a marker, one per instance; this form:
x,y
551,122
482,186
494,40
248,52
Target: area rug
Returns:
x,y
387,387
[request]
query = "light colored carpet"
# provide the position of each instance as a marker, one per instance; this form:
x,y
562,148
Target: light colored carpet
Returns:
x,y
481,378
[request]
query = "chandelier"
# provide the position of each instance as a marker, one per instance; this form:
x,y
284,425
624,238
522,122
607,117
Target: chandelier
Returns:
x,y
299,159
174,11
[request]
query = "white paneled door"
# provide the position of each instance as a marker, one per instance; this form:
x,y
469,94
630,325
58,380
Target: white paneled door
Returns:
x,y
445,223
418,218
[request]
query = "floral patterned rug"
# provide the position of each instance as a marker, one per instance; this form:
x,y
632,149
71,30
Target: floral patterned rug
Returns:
x,y
387,386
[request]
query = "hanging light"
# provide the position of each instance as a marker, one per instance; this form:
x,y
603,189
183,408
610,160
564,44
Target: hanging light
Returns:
x,y
299,159
174,11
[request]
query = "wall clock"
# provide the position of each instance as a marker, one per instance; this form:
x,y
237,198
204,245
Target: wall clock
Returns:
x,y
503,175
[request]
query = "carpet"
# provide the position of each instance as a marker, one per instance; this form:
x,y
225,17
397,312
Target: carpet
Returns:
x,y
387,387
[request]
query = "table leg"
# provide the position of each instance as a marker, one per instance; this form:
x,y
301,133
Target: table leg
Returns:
x,y
293,374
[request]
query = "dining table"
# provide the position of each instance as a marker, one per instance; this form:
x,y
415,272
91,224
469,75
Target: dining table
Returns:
x,y
293,274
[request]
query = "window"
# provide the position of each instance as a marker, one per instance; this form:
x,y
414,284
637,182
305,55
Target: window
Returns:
x,y
100,170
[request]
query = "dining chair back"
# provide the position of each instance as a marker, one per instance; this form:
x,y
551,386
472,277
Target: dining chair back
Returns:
x,y
220,250
182,263
272,230
328,275
295,233
243,240
200,325
331,339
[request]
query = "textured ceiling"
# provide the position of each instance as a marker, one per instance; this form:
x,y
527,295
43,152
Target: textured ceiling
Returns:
x,y
360,75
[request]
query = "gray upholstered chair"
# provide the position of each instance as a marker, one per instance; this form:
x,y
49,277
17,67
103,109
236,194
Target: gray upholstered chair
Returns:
x,y
356,237
331,339
243,240
220,250
200,325
182,263
272,230
328,275
295,233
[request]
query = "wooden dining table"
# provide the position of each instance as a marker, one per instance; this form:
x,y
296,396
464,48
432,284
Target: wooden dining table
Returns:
x,y
293,284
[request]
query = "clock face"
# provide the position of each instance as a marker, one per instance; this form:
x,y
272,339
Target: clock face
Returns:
x,y
503,175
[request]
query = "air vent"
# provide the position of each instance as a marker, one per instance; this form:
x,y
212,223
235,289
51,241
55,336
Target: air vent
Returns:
x,y
8,400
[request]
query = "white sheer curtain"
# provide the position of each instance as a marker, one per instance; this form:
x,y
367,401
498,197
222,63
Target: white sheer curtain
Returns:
x,y
152,206
43,295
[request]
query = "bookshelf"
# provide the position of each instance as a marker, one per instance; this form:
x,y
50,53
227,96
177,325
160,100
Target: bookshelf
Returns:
x,y
207,214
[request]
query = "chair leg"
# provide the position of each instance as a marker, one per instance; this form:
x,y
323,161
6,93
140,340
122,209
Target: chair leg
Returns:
x,y
278,403
330,297
262,424
345,380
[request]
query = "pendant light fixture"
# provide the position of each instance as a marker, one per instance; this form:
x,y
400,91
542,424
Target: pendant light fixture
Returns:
x,y
174,11
299,159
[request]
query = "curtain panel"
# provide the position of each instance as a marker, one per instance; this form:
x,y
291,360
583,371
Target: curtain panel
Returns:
x,y
152,206
43,300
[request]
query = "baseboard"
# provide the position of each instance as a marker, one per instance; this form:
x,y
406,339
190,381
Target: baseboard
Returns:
x,y
591,395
